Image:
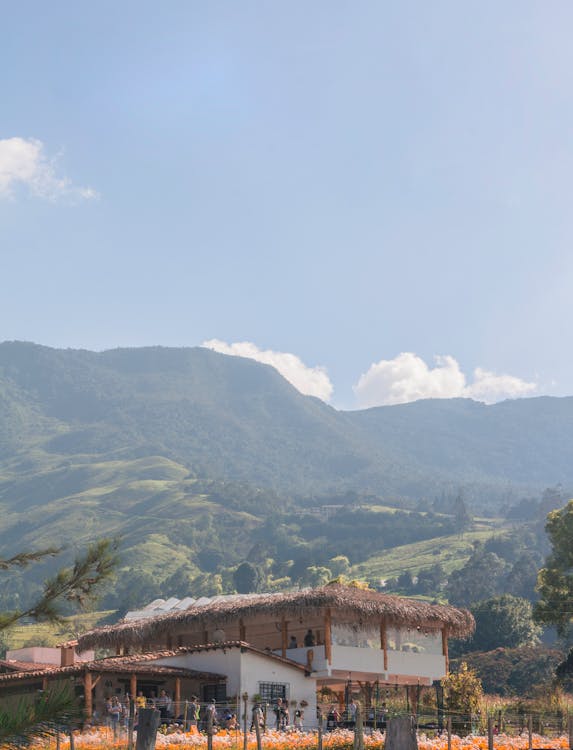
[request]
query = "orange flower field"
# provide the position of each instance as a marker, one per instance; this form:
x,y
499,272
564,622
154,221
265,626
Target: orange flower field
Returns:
x,y
338,740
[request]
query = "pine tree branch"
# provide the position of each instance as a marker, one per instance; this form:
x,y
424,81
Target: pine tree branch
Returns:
x,y
79,584
30,717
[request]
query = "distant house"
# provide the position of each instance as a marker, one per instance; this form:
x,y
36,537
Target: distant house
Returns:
x,y
225,646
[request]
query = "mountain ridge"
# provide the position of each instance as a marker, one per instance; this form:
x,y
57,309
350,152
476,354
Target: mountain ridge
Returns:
x,y
232,418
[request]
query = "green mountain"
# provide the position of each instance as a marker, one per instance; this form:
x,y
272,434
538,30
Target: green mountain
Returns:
x,y
234,419
199,460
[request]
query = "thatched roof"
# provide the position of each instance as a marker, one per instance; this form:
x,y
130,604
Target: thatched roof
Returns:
x,y
345,602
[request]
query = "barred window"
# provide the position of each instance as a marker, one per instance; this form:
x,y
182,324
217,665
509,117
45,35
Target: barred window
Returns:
x,y
270,691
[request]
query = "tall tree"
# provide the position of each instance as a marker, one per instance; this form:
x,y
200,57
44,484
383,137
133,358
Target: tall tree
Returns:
x,y
462,516
479,579
77,585
503,621
555,580
246,578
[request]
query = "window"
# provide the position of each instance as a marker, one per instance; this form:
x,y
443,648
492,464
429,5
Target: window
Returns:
x,y
218,691
270,691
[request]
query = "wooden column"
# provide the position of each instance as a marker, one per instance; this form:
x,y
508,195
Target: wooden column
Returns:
x,y
384,642
445,648
88,698
133,686
44,683
242,631
205,637
177,696
328,636
284,637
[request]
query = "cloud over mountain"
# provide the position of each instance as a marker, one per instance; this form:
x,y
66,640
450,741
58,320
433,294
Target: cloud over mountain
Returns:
x,y
408,378
312,381
23,162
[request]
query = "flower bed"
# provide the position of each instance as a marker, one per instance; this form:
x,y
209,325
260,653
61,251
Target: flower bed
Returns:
x,y
339,740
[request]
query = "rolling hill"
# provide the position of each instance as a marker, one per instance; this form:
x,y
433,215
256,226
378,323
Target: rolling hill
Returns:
x,y
187,454
235,419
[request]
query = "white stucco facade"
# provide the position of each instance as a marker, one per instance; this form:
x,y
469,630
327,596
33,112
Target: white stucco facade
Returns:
x,y
247,670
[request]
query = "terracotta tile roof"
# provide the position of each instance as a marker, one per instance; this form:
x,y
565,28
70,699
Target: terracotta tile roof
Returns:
x,y
131,664
13,665
143,664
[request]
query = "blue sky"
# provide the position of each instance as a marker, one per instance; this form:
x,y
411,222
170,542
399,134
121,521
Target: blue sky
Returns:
x,y
342,183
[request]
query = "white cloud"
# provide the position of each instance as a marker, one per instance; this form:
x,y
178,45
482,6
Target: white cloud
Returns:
x,y
312,381
23,162
408,378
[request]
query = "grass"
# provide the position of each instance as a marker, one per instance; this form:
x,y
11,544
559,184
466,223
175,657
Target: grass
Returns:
x,y
49,634
451,552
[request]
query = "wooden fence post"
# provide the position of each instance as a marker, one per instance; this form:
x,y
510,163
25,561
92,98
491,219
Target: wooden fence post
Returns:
x,y
490,732
147,725
320,731
449,725
257,725
209,728
530,731
130,724
358,728
245,699
570,728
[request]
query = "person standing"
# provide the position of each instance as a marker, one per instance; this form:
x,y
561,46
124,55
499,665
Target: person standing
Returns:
x,y
115,711
298,718
309,639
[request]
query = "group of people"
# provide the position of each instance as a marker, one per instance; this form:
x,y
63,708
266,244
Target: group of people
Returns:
x,y
309,640
283,719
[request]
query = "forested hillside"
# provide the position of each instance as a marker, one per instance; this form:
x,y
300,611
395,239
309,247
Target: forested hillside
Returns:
x,y
234,419
199,461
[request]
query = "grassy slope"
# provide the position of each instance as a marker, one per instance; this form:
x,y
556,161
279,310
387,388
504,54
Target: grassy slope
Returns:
x,y
48,634
449,551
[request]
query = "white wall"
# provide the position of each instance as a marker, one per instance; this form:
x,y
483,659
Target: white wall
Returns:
x,y
226,662
256,668
245,670
44,655
432,666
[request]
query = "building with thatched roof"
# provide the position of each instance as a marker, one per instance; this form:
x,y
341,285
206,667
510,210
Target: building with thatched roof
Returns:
x,y
336,634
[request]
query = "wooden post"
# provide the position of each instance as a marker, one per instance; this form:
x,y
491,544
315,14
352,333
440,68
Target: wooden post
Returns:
x,y
257,725
328,635
401,734
358,728
319,731
242,631
284,637
44,683
88,698
490,733
131,723
530,731
384,642
445,648
133,687
209,729
72,739
449,725
147,725
205,636
570,727
245,699
177,696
